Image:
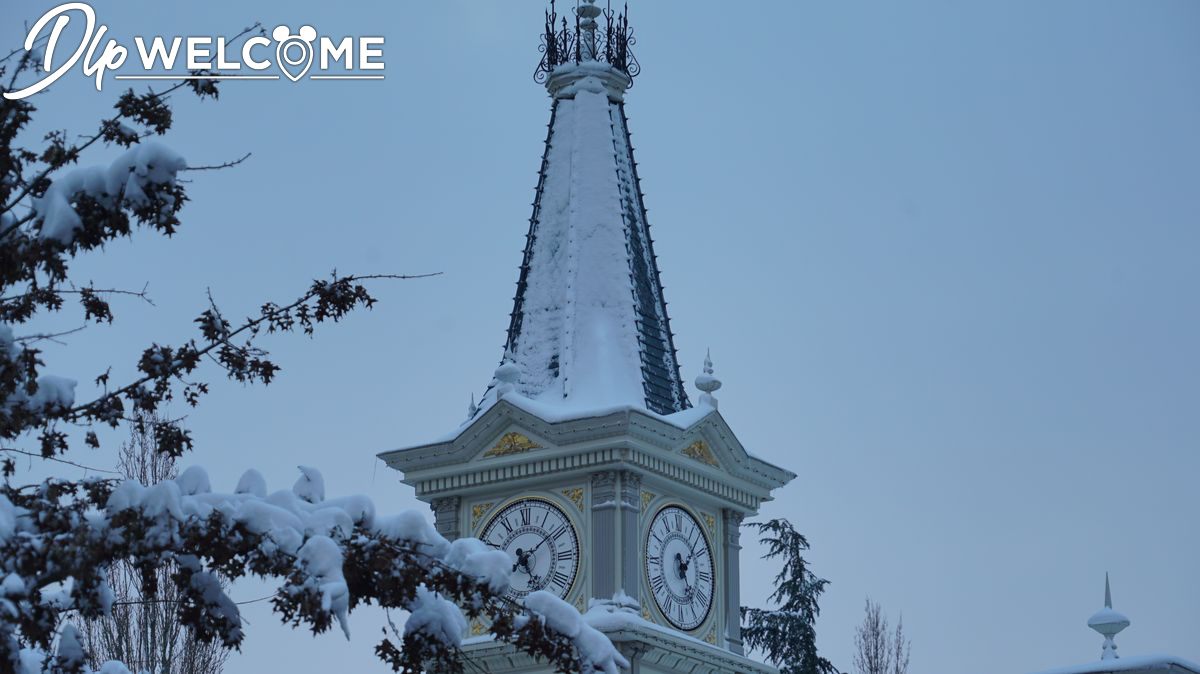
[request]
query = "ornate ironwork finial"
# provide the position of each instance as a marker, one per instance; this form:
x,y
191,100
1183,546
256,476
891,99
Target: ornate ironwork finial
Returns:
x,y
590,39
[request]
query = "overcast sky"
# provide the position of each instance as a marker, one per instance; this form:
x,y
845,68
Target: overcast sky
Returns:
x,y
946,255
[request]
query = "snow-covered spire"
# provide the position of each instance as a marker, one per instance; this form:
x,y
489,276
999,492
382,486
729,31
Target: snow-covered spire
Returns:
x,y
707,383
1108,623
472,408
589,325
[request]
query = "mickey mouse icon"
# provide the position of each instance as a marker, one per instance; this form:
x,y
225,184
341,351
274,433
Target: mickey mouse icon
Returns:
x,y
299,45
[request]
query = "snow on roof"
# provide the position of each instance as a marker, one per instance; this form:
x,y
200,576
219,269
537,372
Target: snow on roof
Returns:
x,y
589,326
570,410
621,613
1145,663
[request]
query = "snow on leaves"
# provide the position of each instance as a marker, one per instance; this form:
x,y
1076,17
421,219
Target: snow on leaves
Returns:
x,y
57,538
333,555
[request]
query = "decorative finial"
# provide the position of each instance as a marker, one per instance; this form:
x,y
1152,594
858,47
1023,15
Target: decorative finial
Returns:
x,y
707,383
607,41
506,375
472,408
1108,623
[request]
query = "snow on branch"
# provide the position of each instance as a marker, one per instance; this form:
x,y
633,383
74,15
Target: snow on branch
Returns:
x,y
57,539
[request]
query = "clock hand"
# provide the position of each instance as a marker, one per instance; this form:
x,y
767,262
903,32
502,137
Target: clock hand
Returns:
x,y
543,541
681,566
522,561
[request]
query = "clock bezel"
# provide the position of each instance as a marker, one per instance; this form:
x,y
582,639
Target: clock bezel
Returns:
x,y
563,508
696,517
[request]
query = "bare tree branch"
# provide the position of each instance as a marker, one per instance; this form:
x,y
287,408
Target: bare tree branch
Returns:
x,y
55,458
227,164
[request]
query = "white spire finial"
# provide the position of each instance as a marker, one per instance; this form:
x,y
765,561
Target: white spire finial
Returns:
x,y
1108,623
587,11
472,408
707,383
506,375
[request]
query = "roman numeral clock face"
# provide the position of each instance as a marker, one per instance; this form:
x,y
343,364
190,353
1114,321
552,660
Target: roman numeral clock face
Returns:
x,y
679,568
542,543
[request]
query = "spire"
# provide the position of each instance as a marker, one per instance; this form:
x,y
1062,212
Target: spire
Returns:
x,y
707,383
589,325
1108,623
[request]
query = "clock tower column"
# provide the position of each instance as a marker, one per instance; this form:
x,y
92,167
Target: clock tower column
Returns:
x,y
584,458
732,521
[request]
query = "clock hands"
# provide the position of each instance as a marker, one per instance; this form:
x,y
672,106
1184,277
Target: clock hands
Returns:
x,y
529,523
523,558
681,567
543,541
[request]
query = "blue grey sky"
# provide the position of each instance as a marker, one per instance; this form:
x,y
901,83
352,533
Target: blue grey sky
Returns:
x,y
945,255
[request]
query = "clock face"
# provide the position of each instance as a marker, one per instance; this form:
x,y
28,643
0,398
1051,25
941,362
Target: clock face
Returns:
x,y
679,567
542,543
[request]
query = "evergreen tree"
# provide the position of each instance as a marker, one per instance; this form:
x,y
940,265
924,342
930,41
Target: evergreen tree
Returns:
x,y
787,635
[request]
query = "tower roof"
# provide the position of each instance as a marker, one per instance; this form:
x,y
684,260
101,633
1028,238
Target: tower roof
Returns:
x,y
589,324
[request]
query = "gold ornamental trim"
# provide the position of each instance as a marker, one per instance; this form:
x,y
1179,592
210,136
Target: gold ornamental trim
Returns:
x,y
478,629
699,451
511,443
575,494
646,615
647,497
478,511
711,637
712,525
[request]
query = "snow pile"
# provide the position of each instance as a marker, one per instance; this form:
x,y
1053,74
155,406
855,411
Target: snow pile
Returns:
x,y
129,179
436,616
1141,663
322,559
613,614
589,84
52,392
311,486
475,559
595,650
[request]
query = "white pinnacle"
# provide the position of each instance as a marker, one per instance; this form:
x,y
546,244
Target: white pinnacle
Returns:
x,y
506,375
707,383
1108,623
587,12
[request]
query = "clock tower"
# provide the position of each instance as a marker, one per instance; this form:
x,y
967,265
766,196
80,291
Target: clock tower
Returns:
x,y
585,458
